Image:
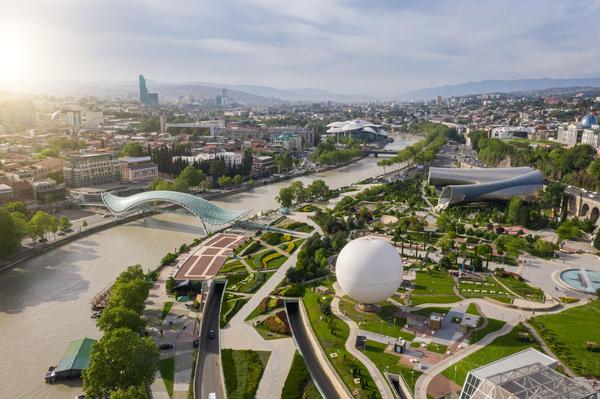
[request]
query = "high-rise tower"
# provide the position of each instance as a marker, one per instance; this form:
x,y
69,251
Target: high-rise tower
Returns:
x,y
148,99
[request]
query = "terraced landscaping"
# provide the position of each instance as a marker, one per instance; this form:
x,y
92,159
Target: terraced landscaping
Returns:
x,y
522,288
482,289
230,306
243,370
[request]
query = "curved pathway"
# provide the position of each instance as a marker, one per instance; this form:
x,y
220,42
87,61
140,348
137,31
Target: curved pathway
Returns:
x,y
378,378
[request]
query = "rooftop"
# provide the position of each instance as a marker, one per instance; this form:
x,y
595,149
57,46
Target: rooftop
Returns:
x,y
524,358
77,355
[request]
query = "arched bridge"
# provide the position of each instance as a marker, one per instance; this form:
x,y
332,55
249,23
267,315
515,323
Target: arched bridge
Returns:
x,y
206,211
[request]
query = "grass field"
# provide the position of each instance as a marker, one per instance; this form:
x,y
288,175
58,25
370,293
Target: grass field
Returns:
x,y
479,334
497,349
435,286
375,352
297,384
566,333
332,334
472,309
523,289
243,370
490,289
437,348
167,372
384,322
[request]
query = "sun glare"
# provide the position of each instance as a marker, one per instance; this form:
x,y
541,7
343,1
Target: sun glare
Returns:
x,y
13,60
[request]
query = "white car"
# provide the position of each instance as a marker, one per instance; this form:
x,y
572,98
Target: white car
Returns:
x,y
212,395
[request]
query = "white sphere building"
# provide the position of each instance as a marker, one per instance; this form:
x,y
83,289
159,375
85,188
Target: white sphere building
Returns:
x,y
369,270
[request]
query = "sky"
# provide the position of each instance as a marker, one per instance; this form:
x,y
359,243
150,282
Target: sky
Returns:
x,y
371,47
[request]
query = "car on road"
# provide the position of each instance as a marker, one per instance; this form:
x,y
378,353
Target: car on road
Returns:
x,y
60,233
211,334
43,239
196,343
212,395
165,346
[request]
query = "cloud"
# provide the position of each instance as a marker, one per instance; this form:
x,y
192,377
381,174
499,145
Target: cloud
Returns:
x,y
371,47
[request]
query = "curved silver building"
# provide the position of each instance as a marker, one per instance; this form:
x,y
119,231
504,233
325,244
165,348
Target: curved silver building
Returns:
x,y
468,185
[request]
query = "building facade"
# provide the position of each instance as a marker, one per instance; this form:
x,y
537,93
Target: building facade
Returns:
x,y
91,169
138,169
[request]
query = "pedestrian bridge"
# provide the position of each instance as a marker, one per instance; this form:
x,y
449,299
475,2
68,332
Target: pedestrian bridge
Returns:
x,y
207,212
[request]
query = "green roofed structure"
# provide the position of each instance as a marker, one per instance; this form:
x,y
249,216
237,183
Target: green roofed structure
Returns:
x,y
74,361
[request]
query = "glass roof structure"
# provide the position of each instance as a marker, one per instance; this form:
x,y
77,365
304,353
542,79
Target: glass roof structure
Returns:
x,y
206,211
468,185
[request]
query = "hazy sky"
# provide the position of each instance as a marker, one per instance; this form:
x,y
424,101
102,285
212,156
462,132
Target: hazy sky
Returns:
x,y
373,47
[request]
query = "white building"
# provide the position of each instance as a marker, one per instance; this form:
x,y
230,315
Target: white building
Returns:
x,y
231,158
138,169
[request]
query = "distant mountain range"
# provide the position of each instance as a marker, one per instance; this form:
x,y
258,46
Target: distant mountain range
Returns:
x,y
267,96
498,86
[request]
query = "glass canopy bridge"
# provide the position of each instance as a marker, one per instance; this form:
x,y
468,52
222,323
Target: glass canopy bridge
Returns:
x,y
208,213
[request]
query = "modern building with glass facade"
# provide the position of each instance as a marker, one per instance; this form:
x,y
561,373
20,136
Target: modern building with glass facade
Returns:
x,y
528,374
483,184
148,99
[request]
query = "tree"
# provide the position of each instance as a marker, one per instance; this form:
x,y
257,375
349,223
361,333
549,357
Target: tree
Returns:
x,y
64,223
119,360
568,230
10,236
285,197
131,294
516,213
284,162
237,180
17,206
84,224
41,223
445,262
192,175
319,189
225,181
114,317
150,124
138,392
132,149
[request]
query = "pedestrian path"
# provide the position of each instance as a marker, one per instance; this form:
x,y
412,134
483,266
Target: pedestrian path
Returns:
x,y
382,385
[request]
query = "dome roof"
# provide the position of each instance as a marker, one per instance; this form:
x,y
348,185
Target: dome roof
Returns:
x,y
369,270
588,120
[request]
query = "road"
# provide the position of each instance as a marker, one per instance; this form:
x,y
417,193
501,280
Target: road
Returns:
x,y
312,363
208,370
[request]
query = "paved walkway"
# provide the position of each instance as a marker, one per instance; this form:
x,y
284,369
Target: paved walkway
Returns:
x,y
382,385
240,335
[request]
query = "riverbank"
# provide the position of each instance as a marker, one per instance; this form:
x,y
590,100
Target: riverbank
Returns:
x,y
33,252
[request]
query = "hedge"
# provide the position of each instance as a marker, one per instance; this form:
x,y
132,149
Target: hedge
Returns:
x,y
297,379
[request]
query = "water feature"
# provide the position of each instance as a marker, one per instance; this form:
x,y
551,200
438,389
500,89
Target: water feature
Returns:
x,y
44,302
581,279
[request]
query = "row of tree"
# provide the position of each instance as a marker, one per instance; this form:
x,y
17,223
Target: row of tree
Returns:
x,y
16,224
328,154
297,193
122,362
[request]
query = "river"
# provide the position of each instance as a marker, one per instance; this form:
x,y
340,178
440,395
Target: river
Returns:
x,y
44,302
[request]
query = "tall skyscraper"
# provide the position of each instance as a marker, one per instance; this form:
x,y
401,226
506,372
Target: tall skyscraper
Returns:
x,y
148,99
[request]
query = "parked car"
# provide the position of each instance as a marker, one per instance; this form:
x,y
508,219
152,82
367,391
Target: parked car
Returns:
x,y
212,395
196,343
165,346
211,334
61,233
43,239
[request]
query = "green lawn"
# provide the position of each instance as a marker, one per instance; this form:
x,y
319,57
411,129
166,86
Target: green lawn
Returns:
x,y
275,261
520,287
298,381
501,347
472,309
167,372
435,286
243,370
437,348
479,334
386,321
375,352
332,334
490,289
567,332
